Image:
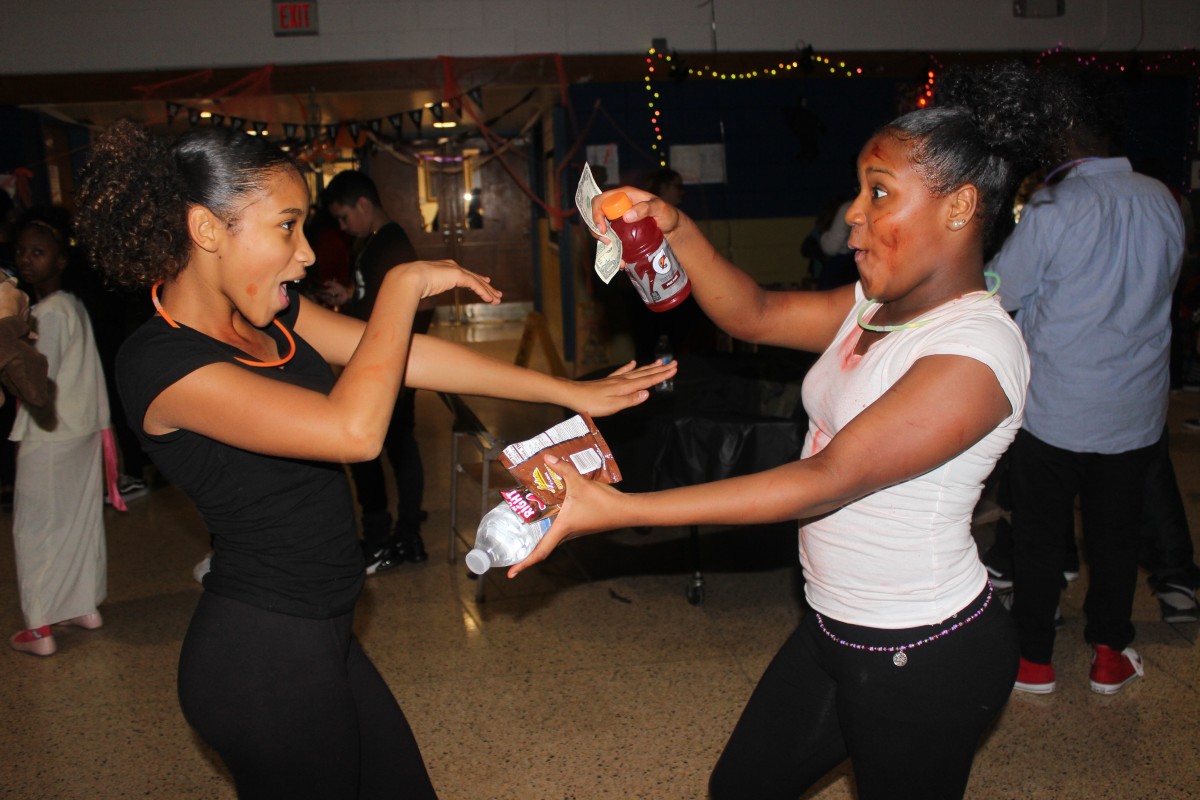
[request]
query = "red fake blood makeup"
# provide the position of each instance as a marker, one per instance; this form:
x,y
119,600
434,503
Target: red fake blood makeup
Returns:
x,y
889,237
819,439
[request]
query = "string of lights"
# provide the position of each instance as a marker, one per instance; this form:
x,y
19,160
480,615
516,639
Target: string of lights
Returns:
x,y
661,64
658,60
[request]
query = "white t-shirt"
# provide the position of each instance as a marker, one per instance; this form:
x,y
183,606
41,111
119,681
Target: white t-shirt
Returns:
x,y
903,556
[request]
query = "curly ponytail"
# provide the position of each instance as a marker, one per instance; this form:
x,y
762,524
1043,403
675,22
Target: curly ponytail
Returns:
x,y
135,192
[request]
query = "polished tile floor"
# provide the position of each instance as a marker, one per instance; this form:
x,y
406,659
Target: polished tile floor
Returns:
x,y
590,677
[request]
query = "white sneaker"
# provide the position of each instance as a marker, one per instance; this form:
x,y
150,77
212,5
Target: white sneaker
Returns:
x,y
201,569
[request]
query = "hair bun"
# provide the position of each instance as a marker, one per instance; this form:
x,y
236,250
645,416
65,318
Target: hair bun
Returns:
x,y
1007,106
131,206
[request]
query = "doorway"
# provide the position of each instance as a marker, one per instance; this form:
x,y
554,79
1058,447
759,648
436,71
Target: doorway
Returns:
x,y
457,202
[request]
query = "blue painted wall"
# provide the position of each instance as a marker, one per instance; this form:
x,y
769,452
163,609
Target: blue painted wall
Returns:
x,y
773,171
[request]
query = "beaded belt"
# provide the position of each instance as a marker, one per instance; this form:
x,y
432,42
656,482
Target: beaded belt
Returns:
x,y
899,656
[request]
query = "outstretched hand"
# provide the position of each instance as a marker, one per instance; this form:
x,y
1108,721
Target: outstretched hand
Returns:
x,y
624,387
588,507
435,277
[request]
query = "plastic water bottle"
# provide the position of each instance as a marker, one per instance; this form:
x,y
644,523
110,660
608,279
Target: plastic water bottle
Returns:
x,y
663,350
649,261
504,539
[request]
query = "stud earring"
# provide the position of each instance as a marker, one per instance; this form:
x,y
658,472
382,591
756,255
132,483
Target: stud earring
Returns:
x,y
957,224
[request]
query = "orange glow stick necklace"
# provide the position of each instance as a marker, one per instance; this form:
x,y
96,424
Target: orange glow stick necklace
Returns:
x,y
277,363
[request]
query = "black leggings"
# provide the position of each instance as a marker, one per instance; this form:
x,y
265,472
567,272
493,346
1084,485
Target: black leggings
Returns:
x,y
910,732
294,707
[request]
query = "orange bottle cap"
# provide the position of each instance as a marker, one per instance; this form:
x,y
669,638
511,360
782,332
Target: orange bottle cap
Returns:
x,y
616,205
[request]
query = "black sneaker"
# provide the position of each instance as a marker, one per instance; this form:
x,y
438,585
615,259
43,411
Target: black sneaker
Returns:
x,y
131,488
383,559
411,547
1172,614
1177,601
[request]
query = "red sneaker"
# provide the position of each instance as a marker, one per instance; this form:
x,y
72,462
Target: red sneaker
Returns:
x,y
1035,678
1111,670
35,640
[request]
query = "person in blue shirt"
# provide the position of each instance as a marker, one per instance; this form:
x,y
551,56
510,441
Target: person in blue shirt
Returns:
x,y
1090,273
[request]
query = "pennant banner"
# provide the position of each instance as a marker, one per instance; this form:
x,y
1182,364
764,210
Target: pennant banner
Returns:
x,y
315,131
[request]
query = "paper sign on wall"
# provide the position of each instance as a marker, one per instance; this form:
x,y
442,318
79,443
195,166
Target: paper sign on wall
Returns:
x,y
605,163
699,163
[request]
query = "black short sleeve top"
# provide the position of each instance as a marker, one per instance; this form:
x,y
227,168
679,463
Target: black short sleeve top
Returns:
x,y
282,529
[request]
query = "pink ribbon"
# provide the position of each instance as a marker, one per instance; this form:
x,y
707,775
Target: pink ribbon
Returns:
x,y
110,470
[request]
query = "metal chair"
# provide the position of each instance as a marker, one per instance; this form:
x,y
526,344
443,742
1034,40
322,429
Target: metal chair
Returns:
x,y
468,431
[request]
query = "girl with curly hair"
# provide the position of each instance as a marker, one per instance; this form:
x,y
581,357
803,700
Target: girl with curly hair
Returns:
x,y
230,390
907,656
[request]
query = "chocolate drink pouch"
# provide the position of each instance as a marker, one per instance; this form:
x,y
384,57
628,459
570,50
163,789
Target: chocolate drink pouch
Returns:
x,y
576,440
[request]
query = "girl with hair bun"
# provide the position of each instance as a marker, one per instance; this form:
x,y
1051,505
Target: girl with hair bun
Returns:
x,y
906,656
231,393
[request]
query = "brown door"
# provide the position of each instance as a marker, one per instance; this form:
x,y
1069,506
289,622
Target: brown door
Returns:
x,y
458,202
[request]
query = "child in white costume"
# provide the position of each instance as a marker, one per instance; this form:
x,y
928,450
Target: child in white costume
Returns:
x,y
58,510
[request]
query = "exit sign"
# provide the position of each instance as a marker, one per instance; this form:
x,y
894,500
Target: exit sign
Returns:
x,y
294,18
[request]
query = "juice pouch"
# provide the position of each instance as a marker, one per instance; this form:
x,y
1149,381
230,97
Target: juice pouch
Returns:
x,y
577,440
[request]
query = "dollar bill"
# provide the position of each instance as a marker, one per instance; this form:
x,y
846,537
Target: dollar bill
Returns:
x,y
608,248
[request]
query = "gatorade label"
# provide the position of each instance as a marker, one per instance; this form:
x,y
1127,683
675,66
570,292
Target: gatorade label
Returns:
x,y
659,277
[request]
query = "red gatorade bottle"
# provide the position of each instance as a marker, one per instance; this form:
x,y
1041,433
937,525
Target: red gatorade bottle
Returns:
x,y
649,261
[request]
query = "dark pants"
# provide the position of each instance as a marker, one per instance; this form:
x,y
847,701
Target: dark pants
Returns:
x,y
294,707
1166,540
910,732
1000,554
1045,481
370,483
